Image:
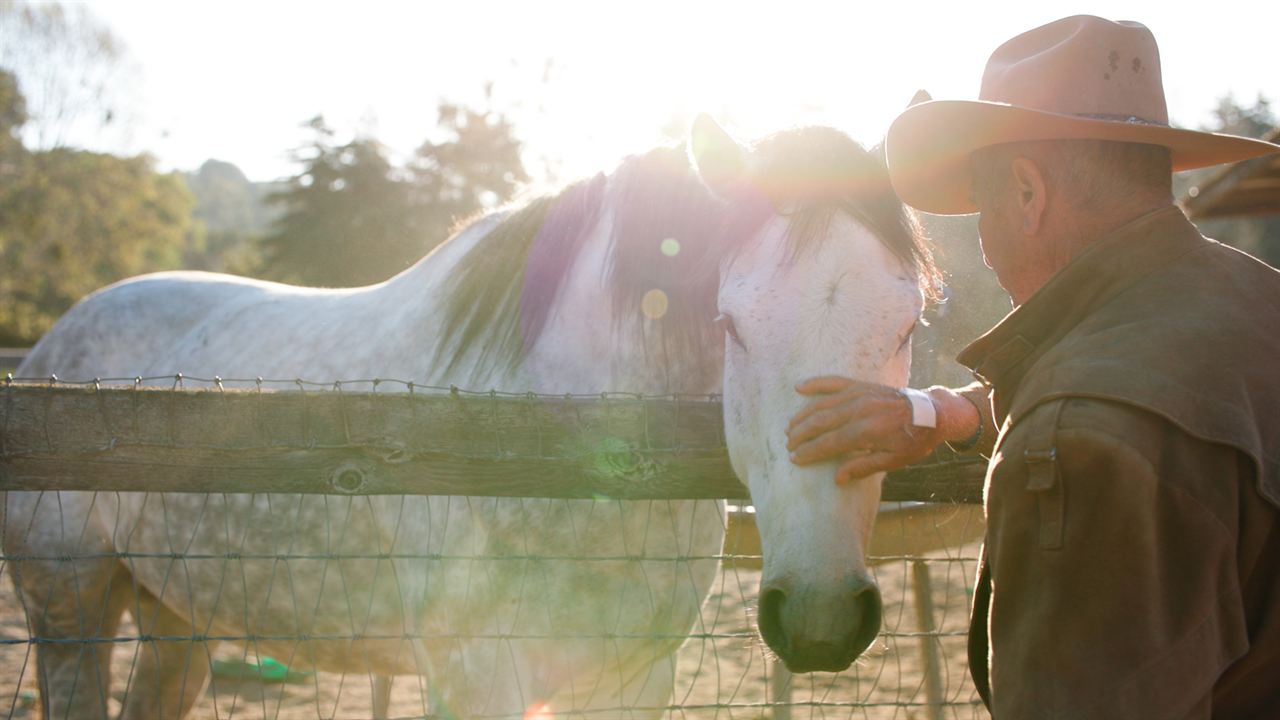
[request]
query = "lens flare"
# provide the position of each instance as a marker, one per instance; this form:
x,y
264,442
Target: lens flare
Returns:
x,y
539,711
670,247
654,304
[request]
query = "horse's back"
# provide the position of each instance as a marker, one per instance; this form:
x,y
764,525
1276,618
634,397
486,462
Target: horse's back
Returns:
x,y
122,330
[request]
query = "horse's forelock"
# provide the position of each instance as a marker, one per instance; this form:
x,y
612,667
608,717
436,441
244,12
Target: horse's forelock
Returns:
x,y
812,173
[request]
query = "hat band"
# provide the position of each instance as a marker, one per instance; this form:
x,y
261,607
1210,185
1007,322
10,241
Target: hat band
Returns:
x,y
1127,119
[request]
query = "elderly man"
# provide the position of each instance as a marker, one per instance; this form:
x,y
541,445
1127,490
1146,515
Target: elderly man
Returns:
x,y
1132,560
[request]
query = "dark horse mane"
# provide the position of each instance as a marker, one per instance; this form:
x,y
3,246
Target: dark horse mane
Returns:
x,y
504,289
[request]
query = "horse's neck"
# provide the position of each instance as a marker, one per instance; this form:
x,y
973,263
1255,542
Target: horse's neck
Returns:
x,y
410,309
583,347
586,348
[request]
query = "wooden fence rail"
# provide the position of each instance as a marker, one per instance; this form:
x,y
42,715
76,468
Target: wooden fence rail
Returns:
x,y
68,437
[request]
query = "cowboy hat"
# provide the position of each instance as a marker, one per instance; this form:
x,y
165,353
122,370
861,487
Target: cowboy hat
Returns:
x,y
1081,78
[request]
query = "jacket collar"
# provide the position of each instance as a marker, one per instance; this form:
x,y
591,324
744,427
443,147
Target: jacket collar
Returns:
x,y
1105,269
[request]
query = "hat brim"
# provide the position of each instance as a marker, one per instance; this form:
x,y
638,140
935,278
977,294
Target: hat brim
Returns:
x,y
928,146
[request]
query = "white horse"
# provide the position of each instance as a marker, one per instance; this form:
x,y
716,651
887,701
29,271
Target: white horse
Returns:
x,y
741,272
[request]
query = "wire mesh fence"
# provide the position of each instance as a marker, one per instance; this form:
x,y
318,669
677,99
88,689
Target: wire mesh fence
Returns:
x,y
340,572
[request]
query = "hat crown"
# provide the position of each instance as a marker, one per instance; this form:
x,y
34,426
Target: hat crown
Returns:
x,y
1081,65
1080,78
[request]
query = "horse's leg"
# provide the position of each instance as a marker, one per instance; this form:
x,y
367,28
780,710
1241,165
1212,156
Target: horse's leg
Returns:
x,y
169,675
642,689
75,677
643,693
72,590
647,692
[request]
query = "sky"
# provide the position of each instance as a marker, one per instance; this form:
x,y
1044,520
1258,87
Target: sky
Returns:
x,y
588,83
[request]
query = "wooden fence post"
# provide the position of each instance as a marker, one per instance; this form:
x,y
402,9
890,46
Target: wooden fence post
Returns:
x,y
922,587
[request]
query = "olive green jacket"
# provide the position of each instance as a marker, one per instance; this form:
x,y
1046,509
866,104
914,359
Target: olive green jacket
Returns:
x,y
1133,549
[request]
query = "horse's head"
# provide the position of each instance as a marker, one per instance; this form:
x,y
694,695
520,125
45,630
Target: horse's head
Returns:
x,y
814,266
826,284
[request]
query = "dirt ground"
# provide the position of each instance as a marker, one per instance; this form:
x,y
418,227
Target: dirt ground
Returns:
x,y
726,675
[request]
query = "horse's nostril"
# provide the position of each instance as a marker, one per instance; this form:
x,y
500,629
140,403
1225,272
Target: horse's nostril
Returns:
x,y
770,620
868,610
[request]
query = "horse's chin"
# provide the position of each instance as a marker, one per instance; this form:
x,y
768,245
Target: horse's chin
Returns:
x,y
823,657
818,664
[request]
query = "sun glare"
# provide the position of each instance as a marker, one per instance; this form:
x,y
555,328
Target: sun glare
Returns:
x,y
539,711
587,83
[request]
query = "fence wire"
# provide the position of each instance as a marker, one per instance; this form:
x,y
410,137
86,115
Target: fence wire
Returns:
x,y
299,606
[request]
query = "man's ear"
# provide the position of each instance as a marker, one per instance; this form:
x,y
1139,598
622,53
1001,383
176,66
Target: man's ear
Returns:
x,y
1028,181
720,161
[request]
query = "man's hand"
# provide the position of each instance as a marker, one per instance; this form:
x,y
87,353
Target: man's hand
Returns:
x,y
868,427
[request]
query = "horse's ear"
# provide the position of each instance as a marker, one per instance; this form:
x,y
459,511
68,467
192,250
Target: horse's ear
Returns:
x,y
720,161
921,96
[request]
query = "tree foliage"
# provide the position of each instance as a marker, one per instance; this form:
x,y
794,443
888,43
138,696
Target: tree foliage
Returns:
x,y
13,113
345,218
1236,119
353,216
72,221
74,72
13,109
230,216
476,167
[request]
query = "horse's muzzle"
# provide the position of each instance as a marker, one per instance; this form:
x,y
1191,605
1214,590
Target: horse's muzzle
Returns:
x,y
815,628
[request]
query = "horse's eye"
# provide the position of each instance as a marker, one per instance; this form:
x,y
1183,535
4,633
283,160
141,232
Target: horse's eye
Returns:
x,y
906,339
725,321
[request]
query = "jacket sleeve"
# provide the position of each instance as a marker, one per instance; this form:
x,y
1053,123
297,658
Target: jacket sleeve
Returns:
x,y
1114,584
980,396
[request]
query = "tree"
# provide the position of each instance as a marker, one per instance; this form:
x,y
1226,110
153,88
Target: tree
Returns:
x,y
1232,117
13,110
476,167
73,70
13,113
351,216
347,217
72,221
229,219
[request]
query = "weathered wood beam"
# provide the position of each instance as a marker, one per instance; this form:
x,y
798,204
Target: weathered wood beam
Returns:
x,y
124,439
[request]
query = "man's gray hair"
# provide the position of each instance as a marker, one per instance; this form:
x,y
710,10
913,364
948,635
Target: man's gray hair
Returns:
x,y
1092,173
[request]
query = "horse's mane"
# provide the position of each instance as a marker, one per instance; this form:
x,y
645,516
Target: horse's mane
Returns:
x,y
503,291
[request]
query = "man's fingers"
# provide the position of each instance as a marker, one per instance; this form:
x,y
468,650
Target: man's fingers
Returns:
x,y
823,385
827,384
838,442
858,402
817,405
868,464
821,421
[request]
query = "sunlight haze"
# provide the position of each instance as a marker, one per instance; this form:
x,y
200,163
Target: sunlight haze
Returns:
x,y
587,83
